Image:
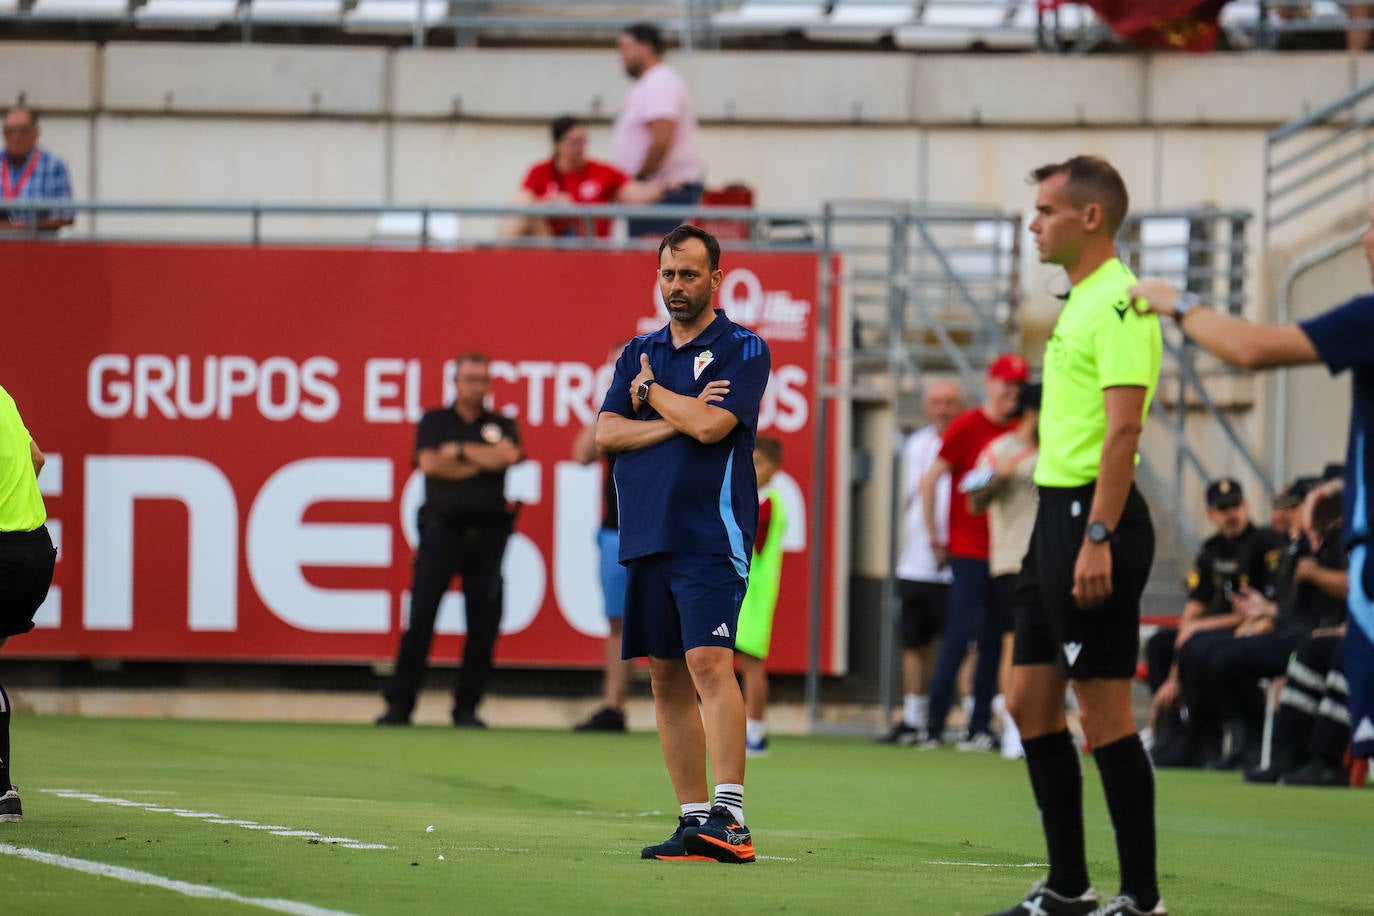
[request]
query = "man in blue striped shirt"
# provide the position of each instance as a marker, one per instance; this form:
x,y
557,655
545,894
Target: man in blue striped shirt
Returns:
x,y
28,171
680,417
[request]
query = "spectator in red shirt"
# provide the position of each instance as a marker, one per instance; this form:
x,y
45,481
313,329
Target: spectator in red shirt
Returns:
x,y
569,177
966,554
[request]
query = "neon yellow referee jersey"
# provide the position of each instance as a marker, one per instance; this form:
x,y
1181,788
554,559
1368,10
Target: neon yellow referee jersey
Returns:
x,y
1099,342
21,505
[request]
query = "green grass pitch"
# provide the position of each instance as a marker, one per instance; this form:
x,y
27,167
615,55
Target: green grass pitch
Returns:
x,y
551,822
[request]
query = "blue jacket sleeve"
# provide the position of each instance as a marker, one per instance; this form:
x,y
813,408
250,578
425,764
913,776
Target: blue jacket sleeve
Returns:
x,y
1343,335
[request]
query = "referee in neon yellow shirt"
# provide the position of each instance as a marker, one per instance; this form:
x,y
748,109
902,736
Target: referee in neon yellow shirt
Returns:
x,y
26,561
1078,597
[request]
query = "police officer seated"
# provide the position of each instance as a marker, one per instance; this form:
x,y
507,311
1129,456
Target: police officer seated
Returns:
x,y
1238,557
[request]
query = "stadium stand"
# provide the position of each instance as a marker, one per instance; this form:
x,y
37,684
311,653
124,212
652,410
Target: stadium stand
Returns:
x,y
389,16
768,16
80,10
187,14
863,20
1002,26
311,12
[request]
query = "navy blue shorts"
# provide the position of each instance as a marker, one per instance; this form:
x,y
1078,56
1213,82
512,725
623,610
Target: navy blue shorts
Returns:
x,y
680,601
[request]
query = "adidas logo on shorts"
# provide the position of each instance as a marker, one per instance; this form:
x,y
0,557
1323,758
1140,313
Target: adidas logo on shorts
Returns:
x,y
1364,731
721,630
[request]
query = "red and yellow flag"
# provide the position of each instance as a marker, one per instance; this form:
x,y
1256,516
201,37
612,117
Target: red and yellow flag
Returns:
x,y
1185,25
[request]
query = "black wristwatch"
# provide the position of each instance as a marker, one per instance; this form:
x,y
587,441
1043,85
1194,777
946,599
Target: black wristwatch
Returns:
x,y
642,392
1099,533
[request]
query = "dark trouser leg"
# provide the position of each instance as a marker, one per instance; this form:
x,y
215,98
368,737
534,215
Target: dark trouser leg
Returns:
x,y
435,563
1331,730
1159,656
1303,690
989,635
961,627
1195,677
483,593
1239,666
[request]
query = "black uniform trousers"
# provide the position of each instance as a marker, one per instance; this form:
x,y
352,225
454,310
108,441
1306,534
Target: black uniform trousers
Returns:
x,y
473,549
1313,721
1219,672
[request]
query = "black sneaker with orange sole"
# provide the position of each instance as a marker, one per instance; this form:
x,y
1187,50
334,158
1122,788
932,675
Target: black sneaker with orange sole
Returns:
x,y
671,849
721,838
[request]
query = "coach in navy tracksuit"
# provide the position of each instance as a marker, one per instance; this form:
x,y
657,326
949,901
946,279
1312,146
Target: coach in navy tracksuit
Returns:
x,y
681,415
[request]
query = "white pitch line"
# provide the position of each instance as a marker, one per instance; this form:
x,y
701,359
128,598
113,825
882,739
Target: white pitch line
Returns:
x,y
132,876
989,864
211,818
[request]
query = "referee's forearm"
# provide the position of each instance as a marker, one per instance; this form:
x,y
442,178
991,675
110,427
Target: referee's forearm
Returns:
x,y
1115,473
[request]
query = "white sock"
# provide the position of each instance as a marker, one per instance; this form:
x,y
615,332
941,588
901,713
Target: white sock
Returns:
x,y
1011,738
731,795
968,707
914,710
697,811
754,730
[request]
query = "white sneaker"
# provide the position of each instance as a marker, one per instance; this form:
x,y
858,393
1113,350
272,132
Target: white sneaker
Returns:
x,y
979,742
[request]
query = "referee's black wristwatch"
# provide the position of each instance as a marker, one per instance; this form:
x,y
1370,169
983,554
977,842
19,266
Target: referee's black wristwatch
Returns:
x,y
1099,533
642,392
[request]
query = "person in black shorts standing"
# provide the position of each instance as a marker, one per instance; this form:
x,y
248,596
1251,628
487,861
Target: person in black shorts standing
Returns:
x,y
1078,599
464,452
27,558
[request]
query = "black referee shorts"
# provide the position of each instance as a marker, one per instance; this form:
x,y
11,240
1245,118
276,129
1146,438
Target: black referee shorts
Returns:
x,y
1050,627
26,566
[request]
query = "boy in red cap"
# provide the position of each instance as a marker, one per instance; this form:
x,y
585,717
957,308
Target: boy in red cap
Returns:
x,y
966,553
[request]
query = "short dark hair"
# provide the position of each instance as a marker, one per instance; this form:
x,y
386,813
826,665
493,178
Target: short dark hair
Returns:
x,y
770,448
560,126
687,231
33,115
471,357
646,33
1092,180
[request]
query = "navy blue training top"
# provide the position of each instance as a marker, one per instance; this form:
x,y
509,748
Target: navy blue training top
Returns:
x,y
1344,339
683,496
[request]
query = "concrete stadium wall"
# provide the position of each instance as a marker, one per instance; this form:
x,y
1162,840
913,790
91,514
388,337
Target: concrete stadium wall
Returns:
x,y
241,123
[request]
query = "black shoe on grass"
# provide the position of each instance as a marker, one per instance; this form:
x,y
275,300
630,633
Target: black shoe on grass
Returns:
x,y
721,838
1041,901
671,849
11,811
605,719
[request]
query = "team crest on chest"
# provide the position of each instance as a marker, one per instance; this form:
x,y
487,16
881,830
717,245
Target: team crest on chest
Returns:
x,y
704,359
491,432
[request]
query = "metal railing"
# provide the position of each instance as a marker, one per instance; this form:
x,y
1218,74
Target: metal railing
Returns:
x,y
1325,156
918,289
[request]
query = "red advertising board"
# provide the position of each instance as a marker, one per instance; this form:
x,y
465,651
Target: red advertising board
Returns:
x,y
230,431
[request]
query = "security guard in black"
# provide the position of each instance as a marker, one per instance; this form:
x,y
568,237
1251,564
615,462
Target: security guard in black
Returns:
x,y
464,451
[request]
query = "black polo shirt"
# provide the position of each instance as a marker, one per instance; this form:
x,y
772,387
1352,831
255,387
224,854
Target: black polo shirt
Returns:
x,y
480,497
1224,566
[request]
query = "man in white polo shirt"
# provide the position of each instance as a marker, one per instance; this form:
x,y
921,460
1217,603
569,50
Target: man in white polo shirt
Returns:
x,y
655,134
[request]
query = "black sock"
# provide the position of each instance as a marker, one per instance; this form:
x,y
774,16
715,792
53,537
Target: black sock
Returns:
x,y
4,741
1057,781
1128,781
